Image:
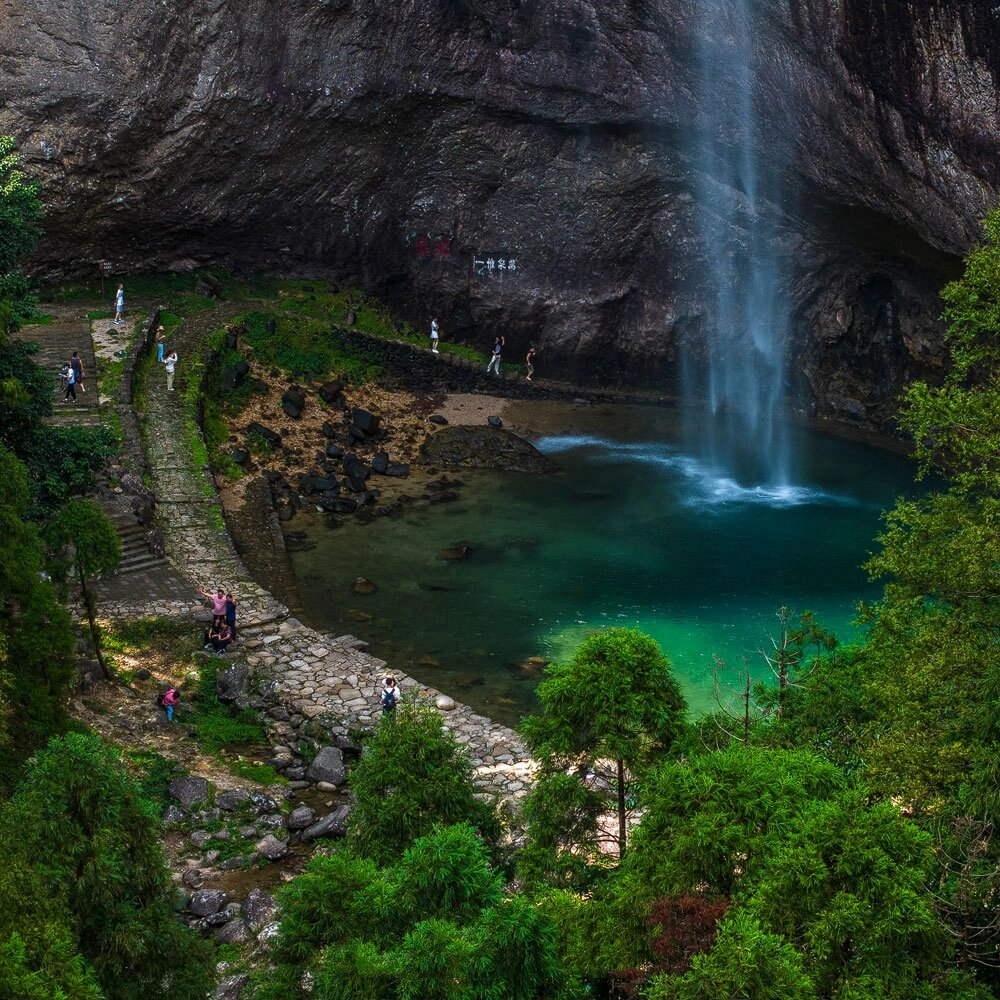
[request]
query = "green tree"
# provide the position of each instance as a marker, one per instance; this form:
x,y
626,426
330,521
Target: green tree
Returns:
x,y
747,963
431,924
708,821
36,638
82,537
412,775
95,841
616,702
20,211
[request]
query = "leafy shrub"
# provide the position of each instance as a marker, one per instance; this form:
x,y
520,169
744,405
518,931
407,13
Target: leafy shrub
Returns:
x,y
413,775
217,725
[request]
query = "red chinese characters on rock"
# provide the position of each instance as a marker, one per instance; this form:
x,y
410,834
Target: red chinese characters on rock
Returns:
x,y
442,249
423,245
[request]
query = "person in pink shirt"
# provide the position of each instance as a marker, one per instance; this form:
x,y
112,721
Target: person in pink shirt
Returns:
x,y
218,600
168,700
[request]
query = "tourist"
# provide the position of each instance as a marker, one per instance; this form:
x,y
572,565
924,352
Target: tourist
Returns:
x,y
219,635
70,377
494,364
170,363
119,305
528,360
77,365
218,600
435,335
231,613
160,344
168,700
390,695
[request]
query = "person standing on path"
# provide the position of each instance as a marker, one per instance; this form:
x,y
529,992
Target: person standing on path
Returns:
x,y
390,695
231,613
170,363
160,344
70,377
218,600
119,305
494,364
169,700
529,359
77,365
435,335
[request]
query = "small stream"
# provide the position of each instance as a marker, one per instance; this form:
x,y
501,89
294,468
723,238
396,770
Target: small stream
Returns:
x,y
631,531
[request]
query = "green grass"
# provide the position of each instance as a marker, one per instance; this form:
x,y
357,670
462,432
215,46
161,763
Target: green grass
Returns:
x,y
263,774
98,314
153,773
216,725
305,348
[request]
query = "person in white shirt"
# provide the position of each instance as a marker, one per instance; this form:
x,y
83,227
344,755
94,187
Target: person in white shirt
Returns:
x,y
119,305
170,363
435,335
390,695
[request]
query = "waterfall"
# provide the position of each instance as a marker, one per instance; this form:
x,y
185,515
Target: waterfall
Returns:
x,y
741,374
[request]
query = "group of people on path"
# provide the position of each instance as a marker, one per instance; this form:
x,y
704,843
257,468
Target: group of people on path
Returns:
x,y
72,375
498,346
167,358
218,637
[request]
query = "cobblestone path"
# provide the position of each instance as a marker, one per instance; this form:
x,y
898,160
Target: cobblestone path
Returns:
x,y
317,677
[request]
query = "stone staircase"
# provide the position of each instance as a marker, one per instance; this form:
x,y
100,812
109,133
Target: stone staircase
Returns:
x,y
136,555
57,342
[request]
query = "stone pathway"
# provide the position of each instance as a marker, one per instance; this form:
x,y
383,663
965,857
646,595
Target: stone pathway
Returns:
x,y
318,678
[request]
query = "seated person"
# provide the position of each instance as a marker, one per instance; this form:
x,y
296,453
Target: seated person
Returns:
x,y
220,636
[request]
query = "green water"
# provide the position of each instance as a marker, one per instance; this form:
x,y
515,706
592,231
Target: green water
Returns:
x,y
630,531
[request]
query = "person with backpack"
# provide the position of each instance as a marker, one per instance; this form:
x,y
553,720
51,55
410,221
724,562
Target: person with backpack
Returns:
x,y
70,376
390,695
231,613
168,700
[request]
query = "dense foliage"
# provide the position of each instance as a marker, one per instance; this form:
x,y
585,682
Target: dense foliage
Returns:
x,y
412,776
20,211
81,834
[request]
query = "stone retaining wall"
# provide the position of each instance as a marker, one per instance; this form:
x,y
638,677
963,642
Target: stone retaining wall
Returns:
x,y
132,451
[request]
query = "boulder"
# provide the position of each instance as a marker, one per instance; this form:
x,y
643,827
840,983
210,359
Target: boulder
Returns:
x,y
231,987
293,401
232,685
438,418
259,908
173,815
271,848
188,791
321,484
457,552
483,448
262,804
235,375
200,838
444,703
365,421
301,817
333,824
333,452
330,392
329,430
235,932
209,286
240,456
380,462
205,902
494,421
328,765
364,586
273,821
273,438
398,469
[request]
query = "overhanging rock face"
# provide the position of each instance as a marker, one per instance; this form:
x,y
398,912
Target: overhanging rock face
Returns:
x,y
525,166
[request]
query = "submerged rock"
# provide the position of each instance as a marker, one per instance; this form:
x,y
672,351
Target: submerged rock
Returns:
x,y
483,448
362,585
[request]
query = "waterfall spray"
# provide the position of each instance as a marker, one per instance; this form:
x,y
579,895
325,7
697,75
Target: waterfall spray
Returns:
x,y
741,378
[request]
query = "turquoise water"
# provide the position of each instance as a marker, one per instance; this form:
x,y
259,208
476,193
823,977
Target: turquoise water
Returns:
x,y
630,531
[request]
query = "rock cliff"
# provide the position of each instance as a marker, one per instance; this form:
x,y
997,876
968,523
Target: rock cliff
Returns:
x,y
527,166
